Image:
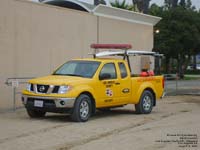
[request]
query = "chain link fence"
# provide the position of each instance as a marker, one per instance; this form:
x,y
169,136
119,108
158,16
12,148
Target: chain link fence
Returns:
x,y
182,87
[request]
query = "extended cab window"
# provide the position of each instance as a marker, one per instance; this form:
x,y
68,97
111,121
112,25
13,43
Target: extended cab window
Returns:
x,y
123,70
108,71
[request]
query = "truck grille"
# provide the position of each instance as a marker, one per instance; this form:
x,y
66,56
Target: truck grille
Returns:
x,y
40,88
55,89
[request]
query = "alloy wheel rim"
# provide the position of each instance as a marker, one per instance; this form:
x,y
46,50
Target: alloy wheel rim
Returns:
x,y
84,109
147,103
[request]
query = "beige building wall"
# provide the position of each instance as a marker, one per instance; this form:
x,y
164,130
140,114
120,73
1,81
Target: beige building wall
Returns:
x,y
115,31
36,38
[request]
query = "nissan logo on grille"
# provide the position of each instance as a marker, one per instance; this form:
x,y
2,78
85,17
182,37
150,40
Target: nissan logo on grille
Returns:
x,y
41,88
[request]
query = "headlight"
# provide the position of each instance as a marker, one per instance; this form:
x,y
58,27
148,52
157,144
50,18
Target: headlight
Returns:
x,y
63,89
28,87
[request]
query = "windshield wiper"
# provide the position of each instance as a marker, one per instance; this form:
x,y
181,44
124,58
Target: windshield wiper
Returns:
x,y
59,74
75,75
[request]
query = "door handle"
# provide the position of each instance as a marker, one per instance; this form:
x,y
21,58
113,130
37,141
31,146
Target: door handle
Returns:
x,y
117,83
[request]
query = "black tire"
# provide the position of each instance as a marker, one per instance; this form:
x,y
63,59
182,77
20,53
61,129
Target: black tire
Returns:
x,y
145,104
35,113
82,109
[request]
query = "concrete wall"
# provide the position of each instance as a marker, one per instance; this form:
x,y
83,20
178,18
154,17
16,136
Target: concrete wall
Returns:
x,y
35,39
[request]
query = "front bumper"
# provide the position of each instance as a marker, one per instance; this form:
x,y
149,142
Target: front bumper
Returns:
x,y
48,102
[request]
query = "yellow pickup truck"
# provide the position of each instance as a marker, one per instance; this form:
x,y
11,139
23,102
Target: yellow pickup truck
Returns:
x,y
80,86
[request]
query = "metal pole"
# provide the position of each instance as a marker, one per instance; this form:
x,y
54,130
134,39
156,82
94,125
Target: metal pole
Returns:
x,y
176,83
14,98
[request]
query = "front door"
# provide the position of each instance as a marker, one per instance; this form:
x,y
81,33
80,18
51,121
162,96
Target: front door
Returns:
x,y
108,86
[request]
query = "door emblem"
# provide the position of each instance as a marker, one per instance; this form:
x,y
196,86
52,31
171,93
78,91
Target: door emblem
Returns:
x,y
109,92
125,90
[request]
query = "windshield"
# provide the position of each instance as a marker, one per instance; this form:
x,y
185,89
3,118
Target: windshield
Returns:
x,y
78,68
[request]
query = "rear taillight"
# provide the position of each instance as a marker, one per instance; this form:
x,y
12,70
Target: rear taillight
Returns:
x,y
163,82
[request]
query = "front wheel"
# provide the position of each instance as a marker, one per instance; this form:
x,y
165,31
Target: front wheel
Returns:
x,y
82,109
145,104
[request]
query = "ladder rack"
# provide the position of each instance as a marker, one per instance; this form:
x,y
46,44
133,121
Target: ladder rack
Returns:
x,y
123,50
120,50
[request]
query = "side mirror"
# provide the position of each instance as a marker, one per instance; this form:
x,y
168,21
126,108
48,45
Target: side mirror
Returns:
x,y
104,76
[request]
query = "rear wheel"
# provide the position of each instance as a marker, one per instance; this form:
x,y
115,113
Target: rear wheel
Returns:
x,y
82,109
35,113
145,104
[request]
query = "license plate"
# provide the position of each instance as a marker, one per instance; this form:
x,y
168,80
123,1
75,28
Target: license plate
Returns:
x,y
38,103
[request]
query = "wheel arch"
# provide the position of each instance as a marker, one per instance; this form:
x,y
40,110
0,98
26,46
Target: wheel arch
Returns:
x,y
92,100
153,93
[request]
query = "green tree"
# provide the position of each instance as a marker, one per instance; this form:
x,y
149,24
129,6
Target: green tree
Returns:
x,y
122,5
170,3
179,36
141,5
134,5
182,3
146,6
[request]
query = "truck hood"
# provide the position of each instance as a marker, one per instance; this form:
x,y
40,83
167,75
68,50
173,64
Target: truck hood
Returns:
x,y
59,80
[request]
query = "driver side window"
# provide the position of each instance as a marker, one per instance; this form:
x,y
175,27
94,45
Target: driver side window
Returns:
x,y
109,70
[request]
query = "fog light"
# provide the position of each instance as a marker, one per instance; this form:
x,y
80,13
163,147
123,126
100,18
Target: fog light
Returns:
x,y
62,102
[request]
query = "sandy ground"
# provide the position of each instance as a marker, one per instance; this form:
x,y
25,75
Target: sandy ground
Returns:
x,y
174,124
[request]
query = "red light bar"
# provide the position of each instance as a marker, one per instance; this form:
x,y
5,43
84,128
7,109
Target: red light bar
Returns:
x,y
111,46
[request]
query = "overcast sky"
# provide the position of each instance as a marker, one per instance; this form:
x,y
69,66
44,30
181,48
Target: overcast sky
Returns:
x,y
196,3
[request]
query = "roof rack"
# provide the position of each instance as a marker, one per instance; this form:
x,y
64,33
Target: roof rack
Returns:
x,y
125,50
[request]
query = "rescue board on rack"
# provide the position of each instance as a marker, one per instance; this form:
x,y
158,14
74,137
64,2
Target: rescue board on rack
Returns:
x,y
109,53
127,52
135,52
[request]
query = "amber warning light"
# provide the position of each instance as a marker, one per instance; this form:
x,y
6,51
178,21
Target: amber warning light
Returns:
x,y
111,46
